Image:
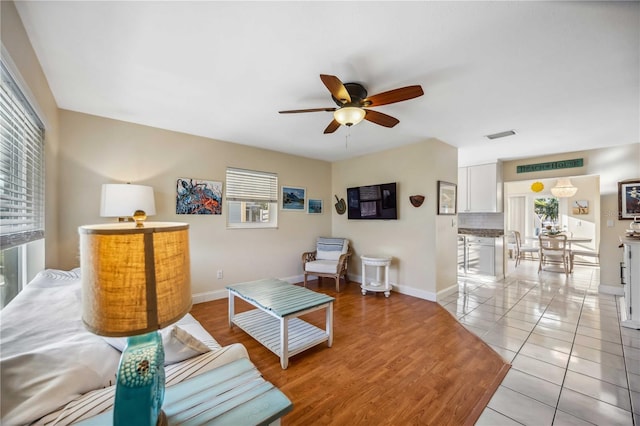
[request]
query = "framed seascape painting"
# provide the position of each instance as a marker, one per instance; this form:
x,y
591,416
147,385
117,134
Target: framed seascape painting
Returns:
x,y
314,206
447,198
195,196
293,198
629,199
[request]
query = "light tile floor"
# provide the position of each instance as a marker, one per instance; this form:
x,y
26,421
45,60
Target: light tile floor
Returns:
x,y
571,362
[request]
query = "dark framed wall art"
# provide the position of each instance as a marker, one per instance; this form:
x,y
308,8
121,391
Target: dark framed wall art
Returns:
x,y
629,199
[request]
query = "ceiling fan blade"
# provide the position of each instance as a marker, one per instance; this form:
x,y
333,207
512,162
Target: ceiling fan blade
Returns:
x,y
380,118
295,111
392,96
336,88
332,127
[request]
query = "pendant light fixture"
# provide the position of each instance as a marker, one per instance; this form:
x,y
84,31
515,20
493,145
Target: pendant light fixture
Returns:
x,y
564,188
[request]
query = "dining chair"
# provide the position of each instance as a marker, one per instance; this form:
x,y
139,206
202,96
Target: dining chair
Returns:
x,y
583,253
554,250
522,250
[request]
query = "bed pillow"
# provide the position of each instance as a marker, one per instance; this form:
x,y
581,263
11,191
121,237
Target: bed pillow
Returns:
x,y
331,248
178,344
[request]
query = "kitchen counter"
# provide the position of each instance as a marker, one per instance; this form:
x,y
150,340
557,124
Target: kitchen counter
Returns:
x,y
481,251
480,232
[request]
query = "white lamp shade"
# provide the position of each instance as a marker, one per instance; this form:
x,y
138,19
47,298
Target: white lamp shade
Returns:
x,y
122,200
349,116
564,188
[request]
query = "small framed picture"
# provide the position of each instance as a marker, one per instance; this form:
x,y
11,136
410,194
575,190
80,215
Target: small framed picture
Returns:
x,y
314,206
293,198
628,199
447,198
580,207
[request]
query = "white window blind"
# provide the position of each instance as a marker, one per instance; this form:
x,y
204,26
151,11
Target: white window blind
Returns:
x,y
248,185
21,167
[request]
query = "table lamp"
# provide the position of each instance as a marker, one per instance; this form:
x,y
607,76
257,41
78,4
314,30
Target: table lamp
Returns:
x,y
136,280
124,200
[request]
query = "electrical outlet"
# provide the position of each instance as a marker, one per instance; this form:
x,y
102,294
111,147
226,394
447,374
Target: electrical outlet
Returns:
x,y
219,274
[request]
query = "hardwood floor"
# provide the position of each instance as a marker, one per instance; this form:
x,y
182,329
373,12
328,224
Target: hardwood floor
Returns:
x,y
394,361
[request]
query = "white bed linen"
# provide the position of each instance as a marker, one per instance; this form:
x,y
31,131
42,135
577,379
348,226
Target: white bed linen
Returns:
x,y
48,358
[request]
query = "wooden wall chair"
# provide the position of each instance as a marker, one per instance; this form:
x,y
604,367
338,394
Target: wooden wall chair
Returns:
x,y
329,259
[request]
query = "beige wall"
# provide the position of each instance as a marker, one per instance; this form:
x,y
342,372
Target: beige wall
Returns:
x,y
611,165
423,245
97,150
17,51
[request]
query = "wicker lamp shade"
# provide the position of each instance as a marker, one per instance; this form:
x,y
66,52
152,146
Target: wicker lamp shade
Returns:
x,y
134,280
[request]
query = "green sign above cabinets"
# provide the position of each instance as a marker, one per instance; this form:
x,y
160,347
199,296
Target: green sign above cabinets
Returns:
x,y
551,165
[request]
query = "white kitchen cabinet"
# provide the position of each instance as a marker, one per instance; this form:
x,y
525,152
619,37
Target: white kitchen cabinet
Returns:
x,y
480,188
463,177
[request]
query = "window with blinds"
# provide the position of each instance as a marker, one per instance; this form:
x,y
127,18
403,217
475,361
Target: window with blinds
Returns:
x,y
252,199
21,167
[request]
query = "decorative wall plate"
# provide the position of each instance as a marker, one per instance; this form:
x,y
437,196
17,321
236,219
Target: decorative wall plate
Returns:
x,y
416,200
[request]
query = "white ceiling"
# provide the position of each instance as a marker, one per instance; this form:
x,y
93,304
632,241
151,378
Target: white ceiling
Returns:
x,y
564,75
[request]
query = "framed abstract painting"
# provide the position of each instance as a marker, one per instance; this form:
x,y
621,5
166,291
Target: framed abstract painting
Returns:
x,y
195,196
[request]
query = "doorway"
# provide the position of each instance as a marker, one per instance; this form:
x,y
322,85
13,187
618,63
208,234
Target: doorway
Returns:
x,y
528,211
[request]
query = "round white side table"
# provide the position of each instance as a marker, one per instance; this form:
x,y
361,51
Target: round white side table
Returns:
x,y
380,262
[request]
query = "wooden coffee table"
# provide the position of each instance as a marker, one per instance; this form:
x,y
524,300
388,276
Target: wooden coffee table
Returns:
x,y
275,323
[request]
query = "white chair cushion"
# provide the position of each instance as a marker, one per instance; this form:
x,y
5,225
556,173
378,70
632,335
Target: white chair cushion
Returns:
x,y
331,248
322,266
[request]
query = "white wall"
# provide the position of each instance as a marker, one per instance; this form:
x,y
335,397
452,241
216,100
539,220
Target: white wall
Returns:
x,y
422,244
96,150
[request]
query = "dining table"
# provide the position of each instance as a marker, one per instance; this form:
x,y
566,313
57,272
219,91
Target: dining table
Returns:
x,y
570,239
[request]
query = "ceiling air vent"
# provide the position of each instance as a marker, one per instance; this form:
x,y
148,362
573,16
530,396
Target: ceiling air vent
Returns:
x,y
501,134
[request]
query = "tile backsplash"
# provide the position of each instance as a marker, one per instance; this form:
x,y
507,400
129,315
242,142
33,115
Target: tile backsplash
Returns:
x,y
481,220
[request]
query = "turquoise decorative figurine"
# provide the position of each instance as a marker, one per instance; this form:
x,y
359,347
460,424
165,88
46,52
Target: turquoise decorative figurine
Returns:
x,y
140,388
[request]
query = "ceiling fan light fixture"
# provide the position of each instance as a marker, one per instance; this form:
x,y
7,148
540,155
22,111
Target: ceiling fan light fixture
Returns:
x,y
348,116
564,188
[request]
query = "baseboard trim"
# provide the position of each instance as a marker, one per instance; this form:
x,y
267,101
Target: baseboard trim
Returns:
x,y
447,291
421,294
615,290
208,296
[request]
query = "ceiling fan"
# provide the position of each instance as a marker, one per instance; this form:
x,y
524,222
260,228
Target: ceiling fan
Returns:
x,y
352,100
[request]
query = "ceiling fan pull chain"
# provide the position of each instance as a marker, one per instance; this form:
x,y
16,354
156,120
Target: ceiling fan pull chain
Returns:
x,y
346,141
